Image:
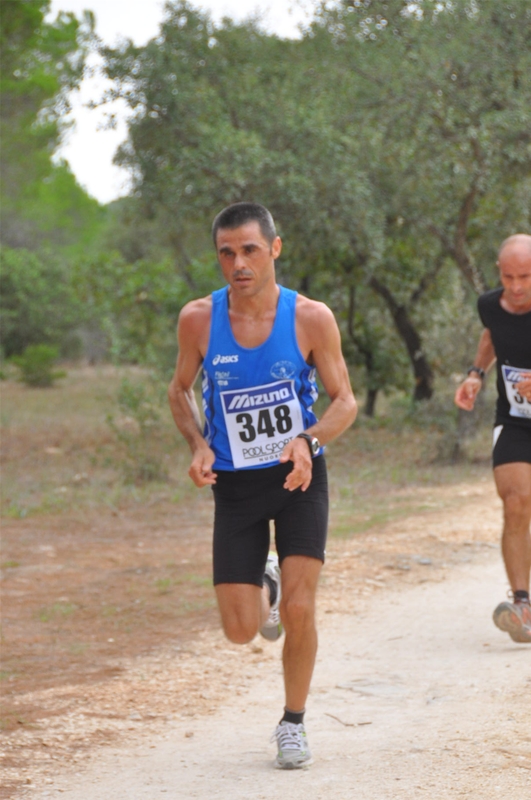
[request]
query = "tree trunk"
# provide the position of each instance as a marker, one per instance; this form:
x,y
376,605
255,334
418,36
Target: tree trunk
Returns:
x,y
366,352
411,338
456,247
370,402
304,285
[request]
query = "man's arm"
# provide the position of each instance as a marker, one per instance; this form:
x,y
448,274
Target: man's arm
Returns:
x,y
192,335
320,342
467,391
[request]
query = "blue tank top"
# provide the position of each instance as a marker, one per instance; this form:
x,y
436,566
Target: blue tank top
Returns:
x,y
255,400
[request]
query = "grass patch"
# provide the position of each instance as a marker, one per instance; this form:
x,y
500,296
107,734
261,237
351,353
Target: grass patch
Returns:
x,y
382,469
60,453
198,580
110,611
56,611
348,522
164,585
78,648
196,606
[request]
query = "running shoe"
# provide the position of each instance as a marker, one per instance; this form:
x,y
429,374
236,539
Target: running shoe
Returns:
x,y
293,750
514,619
272,628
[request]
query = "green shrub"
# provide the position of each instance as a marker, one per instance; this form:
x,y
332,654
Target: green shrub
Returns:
x,y
36,365
140,428
37,301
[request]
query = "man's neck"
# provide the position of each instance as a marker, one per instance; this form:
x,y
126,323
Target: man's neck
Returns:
x,y
252,318
514,309
262,304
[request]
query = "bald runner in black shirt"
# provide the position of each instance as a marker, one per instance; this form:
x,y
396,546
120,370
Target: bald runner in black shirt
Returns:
x,y
506,342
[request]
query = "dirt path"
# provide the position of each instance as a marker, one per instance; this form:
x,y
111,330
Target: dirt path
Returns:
x,y
415,694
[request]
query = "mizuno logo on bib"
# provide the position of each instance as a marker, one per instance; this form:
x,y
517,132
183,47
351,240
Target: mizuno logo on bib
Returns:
x,y
260,421
520,407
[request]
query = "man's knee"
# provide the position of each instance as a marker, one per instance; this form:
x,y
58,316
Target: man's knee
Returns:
x,y
297,611
240,624
517,506
239,631
240,608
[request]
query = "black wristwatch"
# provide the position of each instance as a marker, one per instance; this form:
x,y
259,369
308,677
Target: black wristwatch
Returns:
x,y
313,442
477,370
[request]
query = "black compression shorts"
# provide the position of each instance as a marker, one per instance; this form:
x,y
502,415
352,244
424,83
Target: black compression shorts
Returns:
x,y
245,502
512,443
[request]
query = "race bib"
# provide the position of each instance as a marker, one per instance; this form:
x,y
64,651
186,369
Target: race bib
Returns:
x,y
261,421
520,407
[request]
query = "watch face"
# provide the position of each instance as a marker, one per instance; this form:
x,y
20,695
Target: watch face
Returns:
x,y
315,446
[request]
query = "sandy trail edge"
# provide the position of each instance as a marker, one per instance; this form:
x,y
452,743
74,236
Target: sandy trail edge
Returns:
x,y
447,696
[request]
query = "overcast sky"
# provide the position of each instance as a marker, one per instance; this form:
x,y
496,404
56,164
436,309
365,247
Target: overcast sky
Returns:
x,y
89,148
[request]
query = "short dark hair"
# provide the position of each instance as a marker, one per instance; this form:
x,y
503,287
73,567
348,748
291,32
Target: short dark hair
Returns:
x,y
238,214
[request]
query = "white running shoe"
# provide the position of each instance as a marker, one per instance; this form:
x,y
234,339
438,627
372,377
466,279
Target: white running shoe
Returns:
x,y
514,619
293,750
272,627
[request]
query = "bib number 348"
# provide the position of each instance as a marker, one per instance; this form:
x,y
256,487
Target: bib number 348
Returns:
x,y
260,421
281,422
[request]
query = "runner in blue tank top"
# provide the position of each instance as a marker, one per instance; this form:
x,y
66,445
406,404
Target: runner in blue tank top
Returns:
x,y
254,402
258,347
506,342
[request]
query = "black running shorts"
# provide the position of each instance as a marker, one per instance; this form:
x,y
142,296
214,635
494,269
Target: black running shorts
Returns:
x,y
512,443
245,502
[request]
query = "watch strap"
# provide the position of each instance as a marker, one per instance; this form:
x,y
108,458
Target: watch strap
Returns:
x,y
477,370
309,439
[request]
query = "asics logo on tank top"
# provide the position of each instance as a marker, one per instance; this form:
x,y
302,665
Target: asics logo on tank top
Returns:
x,y
219,359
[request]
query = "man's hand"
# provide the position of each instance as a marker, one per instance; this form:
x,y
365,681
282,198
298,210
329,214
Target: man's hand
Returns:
x,y
301,475
523,386
201,467
466,393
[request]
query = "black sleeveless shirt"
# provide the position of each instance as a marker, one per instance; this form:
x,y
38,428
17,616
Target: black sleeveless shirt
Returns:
x,y
511,337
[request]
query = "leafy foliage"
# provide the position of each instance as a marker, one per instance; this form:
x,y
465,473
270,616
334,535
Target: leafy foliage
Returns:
x,y
382,142
140,430
40,63
38,302
137,305
392,143
36,366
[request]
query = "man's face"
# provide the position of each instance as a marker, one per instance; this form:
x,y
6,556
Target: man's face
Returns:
x,y
246,258
515,275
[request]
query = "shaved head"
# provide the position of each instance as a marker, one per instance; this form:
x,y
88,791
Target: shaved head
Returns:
x,y
520,242
514,263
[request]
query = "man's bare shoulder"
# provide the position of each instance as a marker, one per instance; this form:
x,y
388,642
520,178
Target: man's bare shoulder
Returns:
x,y
316,326
313,313
196,312
193,330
